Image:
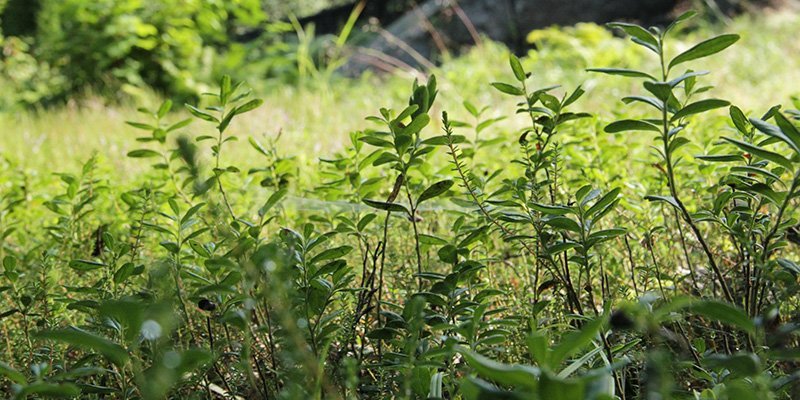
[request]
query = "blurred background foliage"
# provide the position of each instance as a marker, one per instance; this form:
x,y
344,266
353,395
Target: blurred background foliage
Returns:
x,y
55,51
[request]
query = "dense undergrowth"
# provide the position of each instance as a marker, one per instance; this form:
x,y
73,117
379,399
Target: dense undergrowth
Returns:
x,y
438,259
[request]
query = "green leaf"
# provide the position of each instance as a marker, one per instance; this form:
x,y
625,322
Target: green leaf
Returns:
x,y
550,210
720,157
143,153
376,141
689,74
574,366
272,201
607,234
435,190
11,373
699,107
504,374
201,114
681,18
140,125
765,154
516,66
652,101
179,124
124,272
190,213
575,341
573,98
705,49
382,205
643,37
564,223
330,254
767,192
740,365
603,202
445,140
630,125
667,199
47,389
561,247
224,88
785,132
85,265
623,72
249,106
788,129
80,338
508,89
662,91
739,119
416,125
474,388
382,334
789,265
164,109
723,312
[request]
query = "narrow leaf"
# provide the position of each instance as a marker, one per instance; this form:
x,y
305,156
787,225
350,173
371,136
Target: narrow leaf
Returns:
x,y
705,49
623,72
80,338
699,107
435,190
630,125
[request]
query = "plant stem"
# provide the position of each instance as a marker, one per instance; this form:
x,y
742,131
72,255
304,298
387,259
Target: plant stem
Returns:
x,y
674,191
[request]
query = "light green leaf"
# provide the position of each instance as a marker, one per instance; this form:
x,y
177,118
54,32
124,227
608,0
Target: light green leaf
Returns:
x,y
80,338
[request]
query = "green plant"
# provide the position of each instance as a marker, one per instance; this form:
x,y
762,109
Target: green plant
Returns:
x,y
517,256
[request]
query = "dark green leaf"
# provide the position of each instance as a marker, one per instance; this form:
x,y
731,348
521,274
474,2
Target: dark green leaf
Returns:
x,y
739,119
630,125
435,190
667,199
786,133
644,37
85,265
330,254
765,154
623,72
564,223
143,153
382,205
699,107
662,91
201,114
